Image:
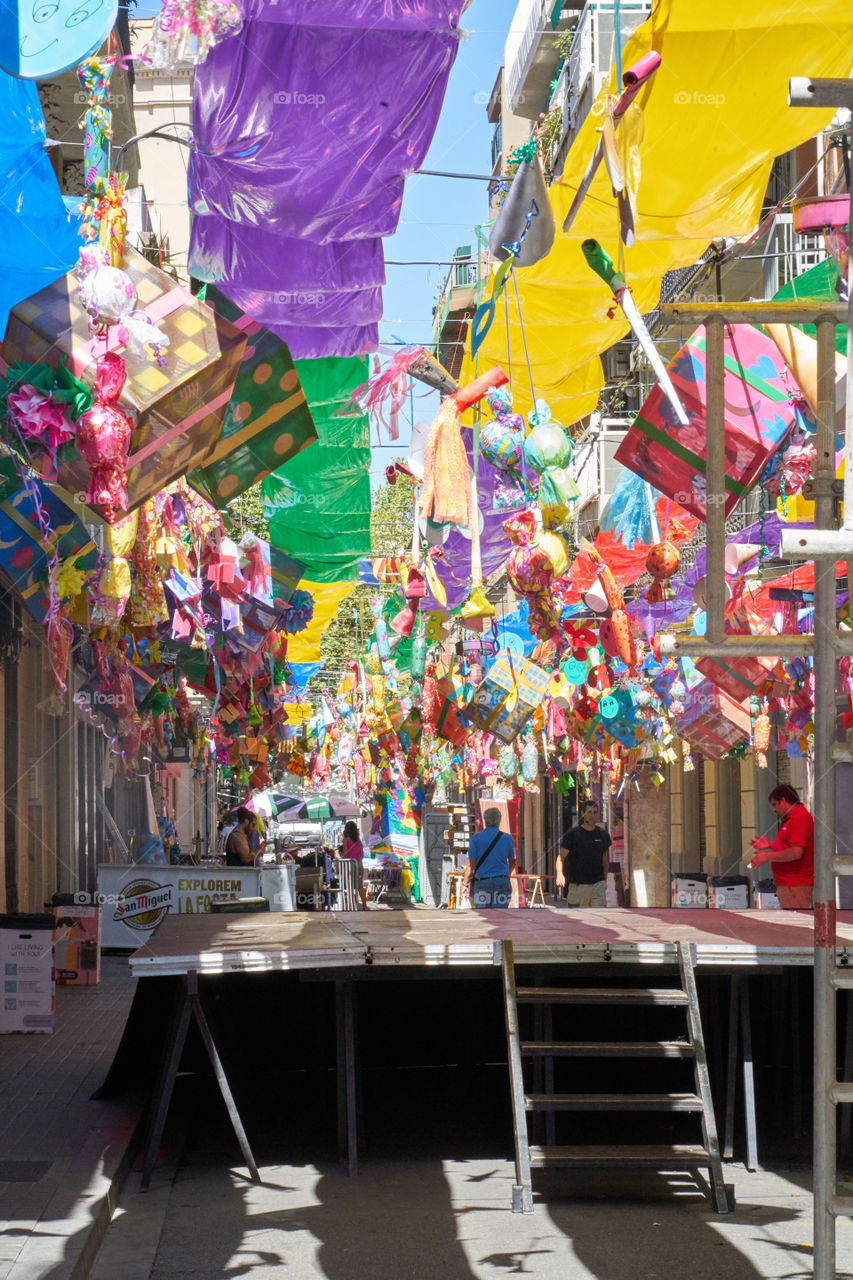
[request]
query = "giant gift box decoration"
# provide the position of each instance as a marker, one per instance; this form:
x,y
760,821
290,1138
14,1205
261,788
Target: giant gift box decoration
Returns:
x,y
712,722
267,419
506,699
739,677
763,403
29,538
178,409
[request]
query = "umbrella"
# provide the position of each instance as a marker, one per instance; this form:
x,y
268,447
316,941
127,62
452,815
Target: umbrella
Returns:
x,y
313,808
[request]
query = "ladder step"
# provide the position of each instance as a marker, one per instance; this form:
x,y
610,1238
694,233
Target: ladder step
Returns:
x,y
602,995
593,1157
613,1102
608,1049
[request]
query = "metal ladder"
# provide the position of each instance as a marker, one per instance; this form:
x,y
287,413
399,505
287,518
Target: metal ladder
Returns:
x,y
692,1157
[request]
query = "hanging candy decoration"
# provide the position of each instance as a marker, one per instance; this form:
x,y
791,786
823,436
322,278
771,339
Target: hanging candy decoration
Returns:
x,y
184,31
530,761
507,764
111,217
103,439
529,567
618,616
548,452
94,76
502,445
662,562
760,733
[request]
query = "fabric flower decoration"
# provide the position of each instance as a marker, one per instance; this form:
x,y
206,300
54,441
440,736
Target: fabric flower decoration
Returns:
x,y
37,417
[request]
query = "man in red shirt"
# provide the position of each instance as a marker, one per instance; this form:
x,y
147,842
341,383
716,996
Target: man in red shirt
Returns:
x,y
791,855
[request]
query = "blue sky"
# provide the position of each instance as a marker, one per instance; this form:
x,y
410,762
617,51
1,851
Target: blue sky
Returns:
x,y
439,214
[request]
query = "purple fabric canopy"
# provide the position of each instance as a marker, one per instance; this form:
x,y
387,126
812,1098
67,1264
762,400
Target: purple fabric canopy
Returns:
x,y
305,125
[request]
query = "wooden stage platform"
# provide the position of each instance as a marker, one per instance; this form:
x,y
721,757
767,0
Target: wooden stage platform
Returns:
x,y
347,951
216,944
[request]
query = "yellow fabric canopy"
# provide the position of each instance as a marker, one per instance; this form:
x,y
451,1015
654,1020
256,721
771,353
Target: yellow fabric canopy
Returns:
x,y
715,117
305,645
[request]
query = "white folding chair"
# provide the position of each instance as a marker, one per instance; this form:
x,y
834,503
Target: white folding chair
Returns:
x,y
348,872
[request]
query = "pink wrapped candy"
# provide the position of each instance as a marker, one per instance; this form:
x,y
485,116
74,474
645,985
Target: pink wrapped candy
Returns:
x,y
103,439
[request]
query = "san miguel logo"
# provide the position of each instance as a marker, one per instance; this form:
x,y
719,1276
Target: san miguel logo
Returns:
x,y
143,904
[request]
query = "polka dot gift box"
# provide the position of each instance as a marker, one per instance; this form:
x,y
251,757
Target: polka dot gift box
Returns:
x,y
178,408
268,419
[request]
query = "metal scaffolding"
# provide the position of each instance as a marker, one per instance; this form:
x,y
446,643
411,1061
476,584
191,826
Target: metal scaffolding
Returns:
x,y
824,544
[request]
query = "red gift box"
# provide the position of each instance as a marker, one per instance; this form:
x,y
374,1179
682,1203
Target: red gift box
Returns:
x,y
763,404
740,678
712,722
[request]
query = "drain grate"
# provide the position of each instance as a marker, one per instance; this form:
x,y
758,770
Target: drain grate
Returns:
x,y
23,1170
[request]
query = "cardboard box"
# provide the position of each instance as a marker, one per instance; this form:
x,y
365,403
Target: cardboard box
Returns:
x,y
26,963
712,722
77,945
690,891
179,409
766,901
763,406
506,699
733,896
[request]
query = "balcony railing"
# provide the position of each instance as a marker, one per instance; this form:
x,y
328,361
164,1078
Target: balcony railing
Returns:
x,y
590,57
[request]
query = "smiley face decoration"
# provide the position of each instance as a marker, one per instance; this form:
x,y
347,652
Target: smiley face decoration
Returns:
x,y
41,38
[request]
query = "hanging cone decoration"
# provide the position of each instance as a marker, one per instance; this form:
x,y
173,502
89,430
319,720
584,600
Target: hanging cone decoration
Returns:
x,y
404,621
477,605
524,227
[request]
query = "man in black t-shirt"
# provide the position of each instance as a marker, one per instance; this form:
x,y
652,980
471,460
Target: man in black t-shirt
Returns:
x,y
587,848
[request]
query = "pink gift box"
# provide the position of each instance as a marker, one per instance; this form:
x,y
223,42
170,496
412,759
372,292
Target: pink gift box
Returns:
x,y
712,722
740,678
763,404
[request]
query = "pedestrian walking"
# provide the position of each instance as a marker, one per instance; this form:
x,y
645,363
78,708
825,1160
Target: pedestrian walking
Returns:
x,y
791,854
491,863
586,850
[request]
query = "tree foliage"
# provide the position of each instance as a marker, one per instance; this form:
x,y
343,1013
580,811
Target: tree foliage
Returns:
x,y
351,632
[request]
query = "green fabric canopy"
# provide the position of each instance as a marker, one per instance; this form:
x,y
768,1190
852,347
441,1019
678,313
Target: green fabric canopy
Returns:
x,y
318,503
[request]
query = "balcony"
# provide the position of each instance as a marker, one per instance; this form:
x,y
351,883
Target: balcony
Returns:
x,y
457,302
531,57
589,61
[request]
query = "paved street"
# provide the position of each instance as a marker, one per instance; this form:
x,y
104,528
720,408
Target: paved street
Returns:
x,y
448,1220
61,1152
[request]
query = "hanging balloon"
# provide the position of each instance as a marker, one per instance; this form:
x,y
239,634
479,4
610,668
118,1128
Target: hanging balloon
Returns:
x,y
662,562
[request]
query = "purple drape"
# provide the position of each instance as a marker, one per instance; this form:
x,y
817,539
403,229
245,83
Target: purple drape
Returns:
x,y
306,124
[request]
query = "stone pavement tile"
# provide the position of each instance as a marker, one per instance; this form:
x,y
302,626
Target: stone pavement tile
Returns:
x,y
450,1220
48,1115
